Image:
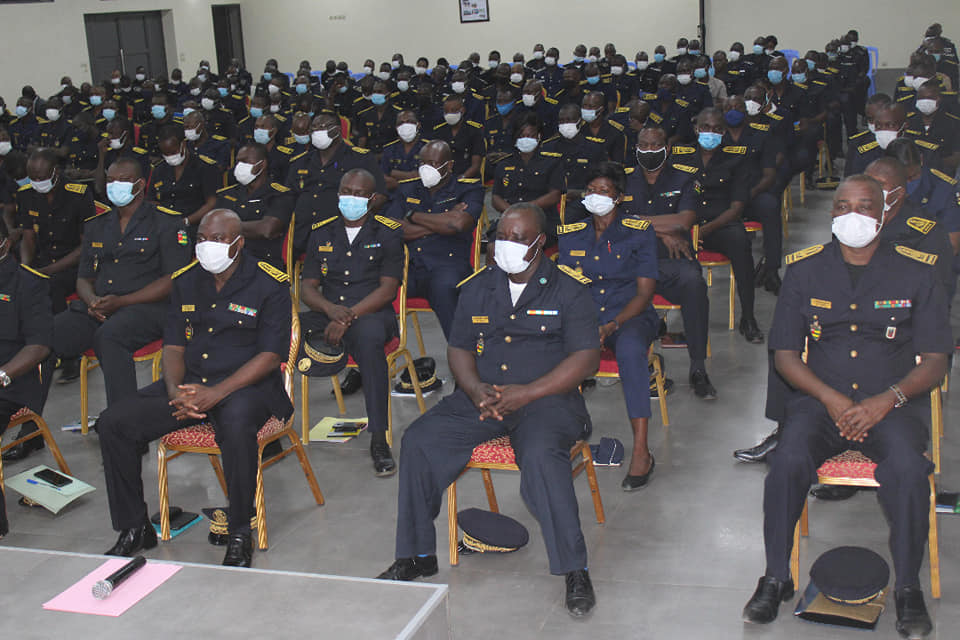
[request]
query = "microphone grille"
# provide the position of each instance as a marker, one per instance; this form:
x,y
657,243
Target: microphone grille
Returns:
x,y
102,589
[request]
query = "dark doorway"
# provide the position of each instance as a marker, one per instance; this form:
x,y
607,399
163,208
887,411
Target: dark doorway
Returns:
x,y
125,41
227,35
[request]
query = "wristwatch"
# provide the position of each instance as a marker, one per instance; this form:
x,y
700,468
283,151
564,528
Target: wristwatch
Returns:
x,y
4,379
901,397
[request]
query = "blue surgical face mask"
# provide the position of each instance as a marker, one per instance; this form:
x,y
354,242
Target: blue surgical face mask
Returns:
x,y
261,136
21,111
694,52
342,89
223,91
700,73
96,100
267,76
158,111
304,139
800,77
378,99
301,89
593,79
256,112
109,114
734,117
658,57
775,76
811,65
353,207
121,193
709,140
504,109
758,49
937,56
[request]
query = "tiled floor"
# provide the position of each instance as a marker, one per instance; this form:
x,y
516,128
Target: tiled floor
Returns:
x,y
678,559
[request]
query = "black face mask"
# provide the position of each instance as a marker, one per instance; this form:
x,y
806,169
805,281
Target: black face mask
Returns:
x,y
651,160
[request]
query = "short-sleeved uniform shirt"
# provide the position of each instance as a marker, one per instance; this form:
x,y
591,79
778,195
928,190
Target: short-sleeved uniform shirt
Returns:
x,y
378,128
26,318
673,192
466,143
200,179
937,193
139,154
58,225
608,140
519,181
578,156
718,184
270,200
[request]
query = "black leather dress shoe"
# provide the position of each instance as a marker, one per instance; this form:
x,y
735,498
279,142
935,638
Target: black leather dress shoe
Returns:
x,y
383,464
239,550
351,382
772,282
69,370
632,483
133,540
406,569
758,453
580,598
24,449
913,621
765,602
833,492
701,385
751,330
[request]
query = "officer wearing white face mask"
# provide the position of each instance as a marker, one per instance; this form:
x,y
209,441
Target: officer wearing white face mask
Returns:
x,y
263,204
203,142
225,334
400,159
117,144
463,135
577,155
551,75
865,147
55,130
935,125
25,127
602,132
534,100
219,119
184,181
862,310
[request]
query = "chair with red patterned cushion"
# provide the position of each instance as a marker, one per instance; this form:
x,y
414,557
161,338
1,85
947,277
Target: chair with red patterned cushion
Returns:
x,y
499,454
752,226
43,431
610,369
152,353
853,469
711,259
394,350
201,438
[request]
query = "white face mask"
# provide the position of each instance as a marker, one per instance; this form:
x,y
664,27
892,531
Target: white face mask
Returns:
x,y
369,70
403,85
5,147
550,60
598,204
244,174
684,78
195,91
591,58
918,81
885,137
526,145
733,56
192,134
516,78
207,103
44,186
394,64
529,99
889,205
458,87
67,99
568,129
407,131
855,229
753,107
926,106
538,55
215,256
117,143
274,108
493,63
908,81
140,77
321,139
384,75
510,256
453,119
52,115
617,71
420,70
430,175
642,65
115,81
273,89
175,160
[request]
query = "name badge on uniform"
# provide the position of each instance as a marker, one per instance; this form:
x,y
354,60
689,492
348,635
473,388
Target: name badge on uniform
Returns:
x,y
4,297
247,311
35,214
480,319
578,252
372,245
815,329
542,312
182,238
823,304
184,308
892,304
325,248
96,245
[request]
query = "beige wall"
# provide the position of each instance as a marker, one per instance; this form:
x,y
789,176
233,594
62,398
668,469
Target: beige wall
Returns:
x,y
291,30
44,41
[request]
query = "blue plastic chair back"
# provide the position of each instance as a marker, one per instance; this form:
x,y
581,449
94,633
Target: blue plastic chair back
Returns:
x,y
791,55
872,70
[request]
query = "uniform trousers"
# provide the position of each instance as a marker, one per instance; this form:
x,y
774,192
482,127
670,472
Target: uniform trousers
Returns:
x,y
733,241
438,445
630,343
364,341
62,284
126,427
7,409
114,342
681,282
896,443
765,209
438,284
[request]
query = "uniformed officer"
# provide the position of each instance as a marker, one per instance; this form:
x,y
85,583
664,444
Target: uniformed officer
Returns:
x,y
54,131
618,254
865,147
314,177
225,335
123,281
724,192
185,181
576,154
530,175
401,157
551,75
26,332
864,311
353,268
268,132
118,143
933,124
204,143
600,131
25,127
524,337
673,114
439,214
51,211
499,127
376,125
465,137
929,188
694,91
263,205
660,193
163,117
534,100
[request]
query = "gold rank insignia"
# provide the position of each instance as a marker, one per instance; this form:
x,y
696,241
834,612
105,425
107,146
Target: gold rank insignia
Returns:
x,y
822,304
867,147
803,254
922,225
579,277
273,272
633,223
686,168
919,256
390,223
570,228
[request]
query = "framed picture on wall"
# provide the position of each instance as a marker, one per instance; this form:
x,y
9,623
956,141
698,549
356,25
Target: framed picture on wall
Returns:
x,y
474,11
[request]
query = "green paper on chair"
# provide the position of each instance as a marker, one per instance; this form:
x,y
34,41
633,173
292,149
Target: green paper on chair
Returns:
x,y
337,430
46,495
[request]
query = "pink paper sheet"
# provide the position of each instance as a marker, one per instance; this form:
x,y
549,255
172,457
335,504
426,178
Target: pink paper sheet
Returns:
x,y
79,598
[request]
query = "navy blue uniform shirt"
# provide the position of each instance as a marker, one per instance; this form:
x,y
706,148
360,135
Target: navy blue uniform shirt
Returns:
x,y
26,318
271,200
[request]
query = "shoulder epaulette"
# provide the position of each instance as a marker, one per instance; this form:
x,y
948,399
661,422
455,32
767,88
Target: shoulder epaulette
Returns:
x,y
656,117
868,147
102,209
406,180
629,170
139,150
286,150
919,256
573,273
298,156
233,186
775,116
682,103
360,150
922,225
279,187
678,149
392,142
857,135
905,98
622,109
913,132
684,167
317,225
468,278
944,177
35,272
569,228
820,83
474,124
759,127
219,138
390,223
616,125
25,187
737,150
273,272
207,159
439,126
926,145
550,100
468,180
633,223
168,211
950,115
180,272
74,187
551,154
803,254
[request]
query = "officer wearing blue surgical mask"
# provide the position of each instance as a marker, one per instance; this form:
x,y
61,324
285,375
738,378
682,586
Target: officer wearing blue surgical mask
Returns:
x,y
605,134
499,126
162,116
376,124
25,128
267,133
353,268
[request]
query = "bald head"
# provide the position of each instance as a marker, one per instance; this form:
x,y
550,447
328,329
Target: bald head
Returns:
x,y
219,225
436,153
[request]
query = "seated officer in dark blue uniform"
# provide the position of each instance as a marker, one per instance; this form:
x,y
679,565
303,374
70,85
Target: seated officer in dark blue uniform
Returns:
x,y
376,125
864,310
935,124
25,127
185,181
203,143
439,214
401,157
674,116
660,193
118,143
551,75
163,116
606,134
464,135
264,206
353,268
124,280
268,131
224,336
576,154
535,100
55,130
694,93
315,176
618,254
525,336
865,147
499,127
26,332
